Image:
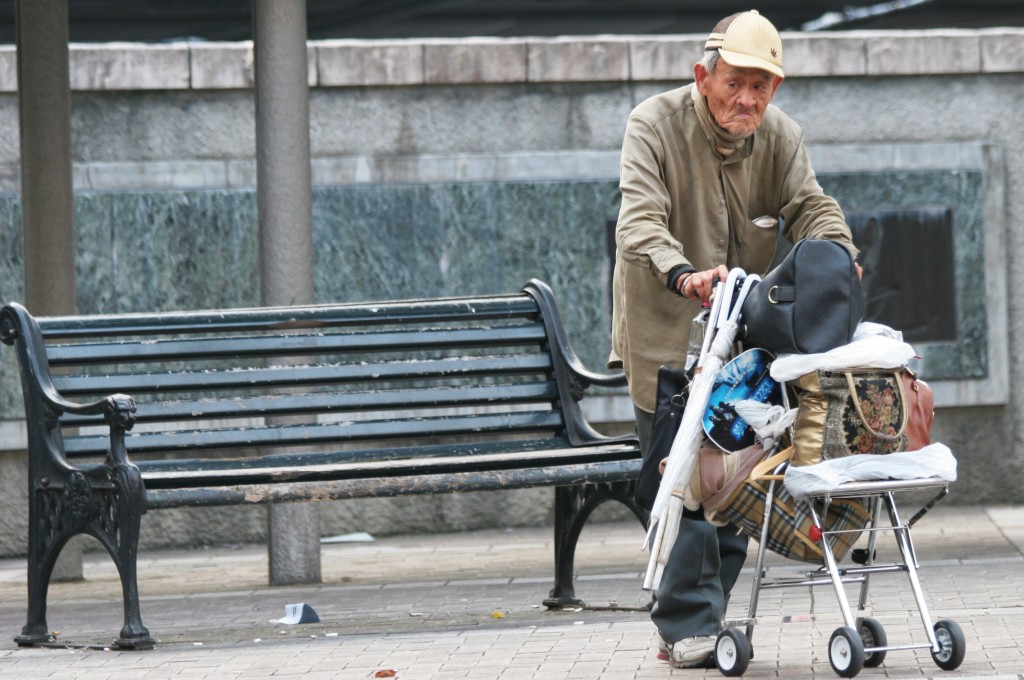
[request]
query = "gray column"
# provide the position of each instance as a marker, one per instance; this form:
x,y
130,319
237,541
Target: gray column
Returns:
x,y
44,98
47,200
284,196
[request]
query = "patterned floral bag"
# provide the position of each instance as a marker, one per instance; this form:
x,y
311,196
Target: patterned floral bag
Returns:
x,y
841,413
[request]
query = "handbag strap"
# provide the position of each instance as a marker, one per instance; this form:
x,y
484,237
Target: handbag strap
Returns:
x,y
761,470
777,294
904,410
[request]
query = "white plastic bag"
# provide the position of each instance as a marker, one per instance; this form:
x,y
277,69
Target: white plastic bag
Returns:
x,y
874,346
933,461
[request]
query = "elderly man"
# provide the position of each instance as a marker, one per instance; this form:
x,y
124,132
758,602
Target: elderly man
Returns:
x,y
707,172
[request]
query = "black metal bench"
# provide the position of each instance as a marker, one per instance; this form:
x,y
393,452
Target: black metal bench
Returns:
x,y
299,404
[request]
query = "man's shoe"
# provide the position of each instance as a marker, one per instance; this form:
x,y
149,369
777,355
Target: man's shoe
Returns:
x,y
694,652
664,649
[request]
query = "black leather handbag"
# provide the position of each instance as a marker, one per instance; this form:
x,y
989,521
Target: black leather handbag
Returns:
x,y
673,388
810,303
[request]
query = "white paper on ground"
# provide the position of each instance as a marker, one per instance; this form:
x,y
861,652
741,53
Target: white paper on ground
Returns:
x,y
355,537
297,613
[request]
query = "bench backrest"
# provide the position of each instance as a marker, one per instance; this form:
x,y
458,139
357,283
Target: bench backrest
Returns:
x,y
322,384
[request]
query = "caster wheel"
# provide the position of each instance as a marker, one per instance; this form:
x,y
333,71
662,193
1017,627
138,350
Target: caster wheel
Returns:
x,y
732,652
873,635
846,652
951,639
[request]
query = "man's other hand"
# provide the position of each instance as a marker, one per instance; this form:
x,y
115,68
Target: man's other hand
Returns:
x,y
700,285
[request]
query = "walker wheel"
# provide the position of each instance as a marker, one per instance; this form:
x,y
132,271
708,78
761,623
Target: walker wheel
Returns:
x,y
732,652
846,652
951,639
873,635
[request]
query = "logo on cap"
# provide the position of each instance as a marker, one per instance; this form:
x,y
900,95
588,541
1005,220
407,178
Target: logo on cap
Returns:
x,y
748,40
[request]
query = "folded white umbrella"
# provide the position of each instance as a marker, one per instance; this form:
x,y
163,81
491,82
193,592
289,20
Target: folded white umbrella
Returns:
x,y
723,325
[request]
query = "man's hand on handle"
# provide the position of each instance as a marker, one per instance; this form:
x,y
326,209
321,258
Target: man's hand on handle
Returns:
x,y
700,285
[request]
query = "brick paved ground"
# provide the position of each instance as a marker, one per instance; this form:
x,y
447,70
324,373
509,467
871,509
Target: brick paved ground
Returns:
x,y
468,606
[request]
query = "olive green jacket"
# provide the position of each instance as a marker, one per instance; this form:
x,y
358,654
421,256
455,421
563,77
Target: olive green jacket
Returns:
x,y
683,203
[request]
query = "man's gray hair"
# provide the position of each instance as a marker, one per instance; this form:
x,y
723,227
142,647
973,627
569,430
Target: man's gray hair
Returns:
x,y
710,60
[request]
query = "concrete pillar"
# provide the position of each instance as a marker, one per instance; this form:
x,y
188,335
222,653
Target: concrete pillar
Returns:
x,y
47,199
284,198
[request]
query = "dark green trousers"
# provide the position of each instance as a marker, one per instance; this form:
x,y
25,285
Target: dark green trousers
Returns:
x,y
702,569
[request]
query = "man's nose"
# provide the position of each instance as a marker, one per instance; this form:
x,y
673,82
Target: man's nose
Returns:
x,y
747,98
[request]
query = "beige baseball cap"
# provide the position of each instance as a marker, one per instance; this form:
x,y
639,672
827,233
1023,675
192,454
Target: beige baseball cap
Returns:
x,y
748,40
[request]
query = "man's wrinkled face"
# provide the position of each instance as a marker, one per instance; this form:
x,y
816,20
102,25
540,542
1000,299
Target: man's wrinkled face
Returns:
x,y
737,97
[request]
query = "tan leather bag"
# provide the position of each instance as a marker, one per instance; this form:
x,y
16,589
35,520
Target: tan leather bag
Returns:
x,y
921,405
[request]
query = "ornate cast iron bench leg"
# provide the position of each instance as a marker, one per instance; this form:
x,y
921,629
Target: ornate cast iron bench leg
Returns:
x,y
107,504
126,525
42,555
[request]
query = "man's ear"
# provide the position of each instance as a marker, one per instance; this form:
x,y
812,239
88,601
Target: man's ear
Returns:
x,y
776,83
700,76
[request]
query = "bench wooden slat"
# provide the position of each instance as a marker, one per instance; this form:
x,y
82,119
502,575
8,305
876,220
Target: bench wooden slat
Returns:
x,y
387,468
296,376
316,433
334,401
409,450
484,480
212,348
290,318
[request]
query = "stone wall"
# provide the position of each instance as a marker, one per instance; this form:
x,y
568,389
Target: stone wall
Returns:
x,y
462,166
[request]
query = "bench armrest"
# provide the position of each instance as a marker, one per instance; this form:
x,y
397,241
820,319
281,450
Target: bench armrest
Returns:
x,y
43,402
573,377
589,377
542,293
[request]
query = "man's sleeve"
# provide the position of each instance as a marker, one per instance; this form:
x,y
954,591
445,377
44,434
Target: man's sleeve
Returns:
x,y
641,234
807,210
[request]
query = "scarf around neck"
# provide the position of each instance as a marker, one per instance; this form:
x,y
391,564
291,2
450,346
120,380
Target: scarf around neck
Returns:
x,y
724,142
